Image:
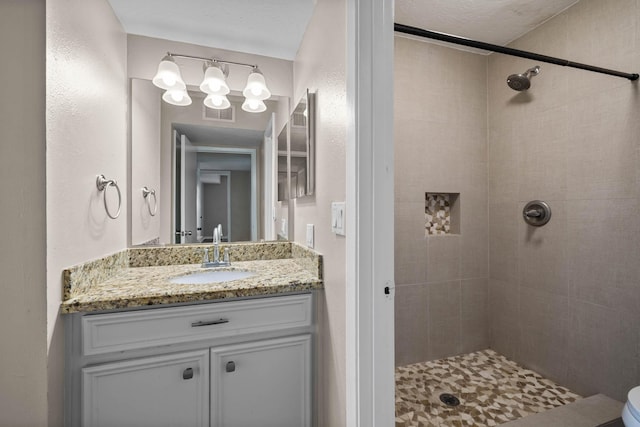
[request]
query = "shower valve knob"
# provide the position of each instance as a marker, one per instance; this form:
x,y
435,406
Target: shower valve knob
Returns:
x,y
536,213
533,213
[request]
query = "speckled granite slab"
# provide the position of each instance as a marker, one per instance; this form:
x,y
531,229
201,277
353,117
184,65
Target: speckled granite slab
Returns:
x,y
141,276
82,277
192,254
307,259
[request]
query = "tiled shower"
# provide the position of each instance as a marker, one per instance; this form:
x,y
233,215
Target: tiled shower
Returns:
x,y
562,299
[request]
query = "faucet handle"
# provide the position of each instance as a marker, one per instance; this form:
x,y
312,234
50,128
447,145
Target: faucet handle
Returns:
x,y
206,255
226,255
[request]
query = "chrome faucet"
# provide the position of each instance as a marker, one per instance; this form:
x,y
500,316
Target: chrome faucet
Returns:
x,y
216,244
217,236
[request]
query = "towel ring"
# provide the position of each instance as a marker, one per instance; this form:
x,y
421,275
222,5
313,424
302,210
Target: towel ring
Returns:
x,y
145,193
103,183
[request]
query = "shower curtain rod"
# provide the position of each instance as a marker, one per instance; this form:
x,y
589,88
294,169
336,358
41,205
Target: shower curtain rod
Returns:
x,y
406,29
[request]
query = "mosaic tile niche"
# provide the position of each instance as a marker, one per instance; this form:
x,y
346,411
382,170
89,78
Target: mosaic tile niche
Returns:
x,y
441,214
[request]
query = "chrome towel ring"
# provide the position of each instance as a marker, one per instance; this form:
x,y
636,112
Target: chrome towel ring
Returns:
x,y
146,193
103,183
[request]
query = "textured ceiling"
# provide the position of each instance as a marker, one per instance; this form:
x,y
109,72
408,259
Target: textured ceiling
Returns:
x,y
276,27
492,21
263,27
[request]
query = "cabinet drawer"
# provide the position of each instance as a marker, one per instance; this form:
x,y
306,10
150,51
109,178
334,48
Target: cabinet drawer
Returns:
x,y
105,333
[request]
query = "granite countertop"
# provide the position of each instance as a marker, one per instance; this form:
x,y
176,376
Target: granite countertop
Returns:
x,y
143,286
122,281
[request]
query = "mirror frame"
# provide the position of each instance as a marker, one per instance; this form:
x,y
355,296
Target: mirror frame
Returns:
x,y
310,145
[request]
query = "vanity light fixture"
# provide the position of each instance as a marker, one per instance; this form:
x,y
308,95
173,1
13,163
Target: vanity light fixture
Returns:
x,y
168,76
178,97
253,106
214,84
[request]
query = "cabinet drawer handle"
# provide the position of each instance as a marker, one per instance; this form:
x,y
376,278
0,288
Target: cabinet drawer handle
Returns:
x,y
187,374
210,322
231,366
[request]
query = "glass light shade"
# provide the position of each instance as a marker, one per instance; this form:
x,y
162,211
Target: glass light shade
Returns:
x,y
253,105
256,87
214,82
168,75
178,97
217,102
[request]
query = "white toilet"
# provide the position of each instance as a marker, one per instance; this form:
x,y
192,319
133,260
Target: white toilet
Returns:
x,y
631,411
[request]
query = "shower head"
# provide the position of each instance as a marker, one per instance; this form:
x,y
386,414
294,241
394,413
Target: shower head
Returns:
x,y
522,81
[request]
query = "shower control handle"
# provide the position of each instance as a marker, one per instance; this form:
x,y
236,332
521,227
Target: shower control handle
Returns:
x,y
533,213
536,213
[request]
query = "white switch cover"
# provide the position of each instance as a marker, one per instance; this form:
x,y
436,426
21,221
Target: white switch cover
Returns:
x,y
310,235
337,218
283,227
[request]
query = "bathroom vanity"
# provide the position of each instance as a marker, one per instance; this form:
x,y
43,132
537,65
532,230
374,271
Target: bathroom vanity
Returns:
x,y
235,353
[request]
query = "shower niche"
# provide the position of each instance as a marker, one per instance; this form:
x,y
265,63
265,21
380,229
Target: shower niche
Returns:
x,y
441,214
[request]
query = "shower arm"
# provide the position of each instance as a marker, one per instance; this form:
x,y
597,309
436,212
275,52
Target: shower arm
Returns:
x,y
414,31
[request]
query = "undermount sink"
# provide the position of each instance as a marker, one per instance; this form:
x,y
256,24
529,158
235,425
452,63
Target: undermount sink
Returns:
x,y
215,276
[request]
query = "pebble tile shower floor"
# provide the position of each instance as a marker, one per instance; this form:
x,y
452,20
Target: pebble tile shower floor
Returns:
x,y
492,390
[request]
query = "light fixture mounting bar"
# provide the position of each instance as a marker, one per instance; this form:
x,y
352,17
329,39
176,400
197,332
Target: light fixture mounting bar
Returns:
x,y
202,58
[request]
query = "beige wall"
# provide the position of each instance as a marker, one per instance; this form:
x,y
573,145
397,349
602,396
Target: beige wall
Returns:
x,y
440,147
320,66
86,117
565,297
23,322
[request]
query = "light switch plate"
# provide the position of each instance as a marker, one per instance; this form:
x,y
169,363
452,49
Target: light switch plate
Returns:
x,y
338,218
283,227
310,236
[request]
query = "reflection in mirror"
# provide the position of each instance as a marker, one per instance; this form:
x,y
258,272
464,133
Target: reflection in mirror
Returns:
x,y
216,171
215,185
219,167
302,151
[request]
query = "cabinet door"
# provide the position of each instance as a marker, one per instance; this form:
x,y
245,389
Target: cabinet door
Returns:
x,y
263,384
169,391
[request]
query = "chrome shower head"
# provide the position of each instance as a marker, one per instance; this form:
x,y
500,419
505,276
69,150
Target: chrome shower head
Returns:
x,y
522,81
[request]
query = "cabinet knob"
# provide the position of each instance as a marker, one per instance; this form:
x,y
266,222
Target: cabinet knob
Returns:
x,y
231,366
187,374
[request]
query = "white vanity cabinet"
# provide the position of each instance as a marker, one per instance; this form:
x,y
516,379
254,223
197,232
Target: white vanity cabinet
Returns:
x,y
238,363
155,391
264,383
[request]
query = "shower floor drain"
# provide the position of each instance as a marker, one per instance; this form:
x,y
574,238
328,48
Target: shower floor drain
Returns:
x,y
449,399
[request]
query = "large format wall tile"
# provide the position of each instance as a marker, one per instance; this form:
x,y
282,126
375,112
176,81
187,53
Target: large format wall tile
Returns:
x,y
542,252
440,147
474,326
443,261
411,324
603,248
573,140
603,350
504,309
543,333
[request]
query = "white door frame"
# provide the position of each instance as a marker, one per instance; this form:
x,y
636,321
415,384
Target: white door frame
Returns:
x,y
370,215
268,172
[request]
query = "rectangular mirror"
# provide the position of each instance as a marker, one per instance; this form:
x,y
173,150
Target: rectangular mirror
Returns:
x,y
206,167
302,147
